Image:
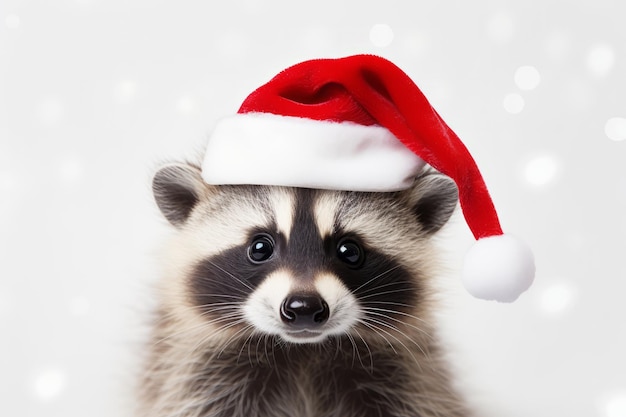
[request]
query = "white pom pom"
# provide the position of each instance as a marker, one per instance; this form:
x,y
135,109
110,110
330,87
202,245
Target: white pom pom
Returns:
x,y
498,268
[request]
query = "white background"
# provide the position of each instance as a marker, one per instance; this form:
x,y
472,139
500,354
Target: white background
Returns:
x,y
95,93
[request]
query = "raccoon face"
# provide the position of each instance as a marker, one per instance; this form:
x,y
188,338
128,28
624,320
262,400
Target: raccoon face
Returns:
x,y
304,265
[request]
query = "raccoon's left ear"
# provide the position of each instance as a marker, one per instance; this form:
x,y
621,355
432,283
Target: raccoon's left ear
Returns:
x,y
177,189
434,197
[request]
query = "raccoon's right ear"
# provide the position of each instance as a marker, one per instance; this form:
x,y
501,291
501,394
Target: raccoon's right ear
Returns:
x,y
177,189
434,197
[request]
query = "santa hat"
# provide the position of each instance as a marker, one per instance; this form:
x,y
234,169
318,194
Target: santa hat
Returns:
x,y
360,123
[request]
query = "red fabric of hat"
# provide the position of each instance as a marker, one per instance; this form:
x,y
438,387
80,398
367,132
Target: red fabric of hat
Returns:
x,y
370,90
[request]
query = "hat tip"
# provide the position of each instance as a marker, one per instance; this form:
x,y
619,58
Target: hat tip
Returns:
x,y
498,268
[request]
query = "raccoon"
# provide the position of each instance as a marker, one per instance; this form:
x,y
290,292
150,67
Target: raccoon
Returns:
x,y
280,301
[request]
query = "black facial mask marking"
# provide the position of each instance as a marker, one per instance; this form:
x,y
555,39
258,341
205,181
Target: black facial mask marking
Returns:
x,y
230,276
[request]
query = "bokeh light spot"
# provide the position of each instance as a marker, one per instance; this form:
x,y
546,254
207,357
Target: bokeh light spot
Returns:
x,y
615,128
616,405
513,103
527,78
381,35
12,21
252,6
500,28
185,105
71,170
49,384
557,298
51,111
600,60
79,306
541,170
125,91
6,303
8,182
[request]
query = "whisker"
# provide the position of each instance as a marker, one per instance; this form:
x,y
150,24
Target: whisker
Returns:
x,y
391,303
338,341
210,334
389,284
395,338
274,345
376,277
355,350
235,297
267,356
213,331
375,330
383,293
233,336
381,323
368,350
231,275
380,311
243,345
206,324
231,285
400,286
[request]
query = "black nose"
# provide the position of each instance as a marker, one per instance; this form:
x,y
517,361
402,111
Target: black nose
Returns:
x,y
304,311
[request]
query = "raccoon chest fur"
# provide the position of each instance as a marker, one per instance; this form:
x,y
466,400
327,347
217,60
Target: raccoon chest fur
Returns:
x,y
296,302
309,381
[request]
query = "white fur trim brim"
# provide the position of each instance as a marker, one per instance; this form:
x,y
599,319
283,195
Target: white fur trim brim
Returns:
x,y
499,268
268,149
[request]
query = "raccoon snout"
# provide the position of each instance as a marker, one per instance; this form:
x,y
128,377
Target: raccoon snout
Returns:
x,y
304,311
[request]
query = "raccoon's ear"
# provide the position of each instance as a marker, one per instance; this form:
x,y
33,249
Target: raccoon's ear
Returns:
x,y
434,199
177,189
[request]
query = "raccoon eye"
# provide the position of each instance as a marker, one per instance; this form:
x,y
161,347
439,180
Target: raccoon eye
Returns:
x,y
261,249
350,253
